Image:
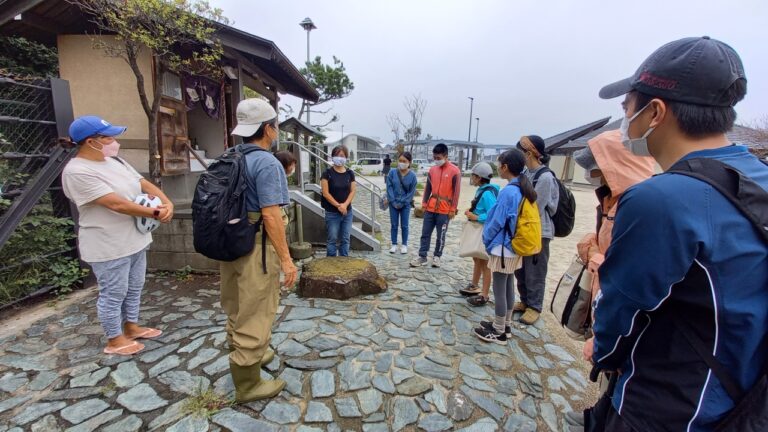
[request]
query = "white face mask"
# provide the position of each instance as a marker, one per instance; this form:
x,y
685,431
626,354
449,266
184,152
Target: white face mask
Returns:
x,y
402,166
439,162
594,181
638,146
291,172
339,161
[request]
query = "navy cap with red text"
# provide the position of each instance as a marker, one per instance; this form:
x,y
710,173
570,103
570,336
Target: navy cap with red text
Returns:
x,y
696,70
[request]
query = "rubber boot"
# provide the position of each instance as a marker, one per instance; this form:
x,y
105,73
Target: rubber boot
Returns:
x,y
250,387
269,355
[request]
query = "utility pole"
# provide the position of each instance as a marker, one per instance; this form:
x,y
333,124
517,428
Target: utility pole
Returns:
x,y
477,128
469,133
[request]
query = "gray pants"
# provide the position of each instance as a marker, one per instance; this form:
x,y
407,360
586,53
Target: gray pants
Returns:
x,y
532,277
503,293
120,284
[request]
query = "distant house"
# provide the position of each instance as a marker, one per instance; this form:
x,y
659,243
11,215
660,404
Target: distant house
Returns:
x,y
491,152
360,146
755,140
457,151
195,112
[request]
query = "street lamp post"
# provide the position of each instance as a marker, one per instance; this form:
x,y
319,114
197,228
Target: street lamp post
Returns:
x,y
477,128
307,25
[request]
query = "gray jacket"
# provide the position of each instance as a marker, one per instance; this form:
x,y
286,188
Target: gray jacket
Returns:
x,y
547,196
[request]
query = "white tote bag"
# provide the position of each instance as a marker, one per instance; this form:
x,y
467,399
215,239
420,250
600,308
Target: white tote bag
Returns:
x,y
471,245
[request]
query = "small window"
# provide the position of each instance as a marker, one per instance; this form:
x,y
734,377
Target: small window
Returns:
x,y
172,86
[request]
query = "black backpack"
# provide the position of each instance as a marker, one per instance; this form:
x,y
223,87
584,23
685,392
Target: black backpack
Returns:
x,y
220,225
565,216
750,413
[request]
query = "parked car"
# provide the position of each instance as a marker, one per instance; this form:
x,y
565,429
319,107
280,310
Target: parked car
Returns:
x,y
423,166
372,166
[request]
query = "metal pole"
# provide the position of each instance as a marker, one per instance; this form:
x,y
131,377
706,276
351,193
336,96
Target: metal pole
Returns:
x,y
477,129
306,101
299,223
469,133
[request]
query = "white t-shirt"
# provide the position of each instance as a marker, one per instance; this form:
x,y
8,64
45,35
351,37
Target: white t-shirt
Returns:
x,y
104,234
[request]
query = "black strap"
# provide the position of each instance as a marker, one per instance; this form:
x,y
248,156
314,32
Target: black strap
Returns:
x,y
746,195
260,227
401,180
119,160
264,250
731,386
483,190
752,201
539,173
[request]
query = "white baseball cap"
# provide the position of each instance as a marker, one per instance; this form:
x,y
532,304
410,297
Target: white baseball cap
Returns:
x,y
251,114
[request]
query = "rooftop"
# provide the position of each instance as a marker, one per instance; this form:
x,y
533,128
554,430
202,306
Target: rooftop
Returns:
x,y
44,20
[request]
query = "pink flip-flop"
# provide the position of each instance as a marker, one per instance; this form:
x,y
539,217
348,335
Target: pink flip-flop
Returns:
x,y
125,350
149,333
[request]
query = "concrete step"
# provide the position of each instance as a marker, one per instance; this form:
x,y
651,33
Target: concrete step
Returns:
x,y
313,217
316,191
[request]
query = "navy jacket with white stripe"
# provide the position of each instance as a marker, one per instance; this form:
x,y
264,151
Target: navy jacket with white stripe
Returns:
x,y
682,252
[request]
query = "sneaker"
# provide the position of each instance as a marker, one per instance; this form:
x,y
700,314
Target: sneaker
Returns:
x,y
418,262
489,325
530,316
519,307
490,335
393,249
436,262
404,249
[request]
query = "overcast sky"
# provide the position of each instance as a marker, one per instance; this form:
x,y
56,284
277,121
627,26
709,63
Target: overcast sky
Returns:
x,y
533,67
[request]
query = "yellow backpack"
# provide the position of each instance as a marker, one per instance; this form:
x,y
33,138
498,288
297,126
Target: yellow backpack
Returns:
x,y
527,238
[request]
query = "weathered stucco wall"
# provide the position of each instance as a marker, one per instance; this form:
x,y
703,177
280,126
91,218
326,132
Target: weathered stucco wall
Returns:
x,y
106,87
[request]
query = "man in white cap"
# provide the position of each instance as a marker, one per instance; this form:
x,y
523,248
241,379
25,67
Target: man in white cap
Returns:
x,y
250,291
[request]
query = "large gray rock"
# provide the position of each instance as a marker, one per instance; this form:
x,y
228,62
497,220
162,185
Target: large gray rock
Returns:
x,y
141,398
83,410
340,278
236,421
459,406
405,411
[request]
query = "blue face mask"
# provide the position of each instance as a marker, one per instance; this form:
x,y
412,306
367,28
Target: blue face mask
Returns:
x,y
339,161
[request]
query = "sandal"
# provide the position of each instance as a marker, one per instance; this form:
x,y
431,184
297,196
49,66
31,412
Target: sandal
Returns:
x,y
478,300
149,333
125,350
470,290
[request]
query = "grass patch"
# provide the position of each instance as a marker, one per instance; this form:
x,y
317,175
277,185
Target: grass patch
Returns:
x,y
183,274
205,403
109,388
337,266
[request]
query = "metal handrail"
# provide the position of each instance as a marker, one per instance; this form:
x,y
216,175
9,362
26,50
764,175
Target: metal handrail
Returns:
x,y
374,190
372,186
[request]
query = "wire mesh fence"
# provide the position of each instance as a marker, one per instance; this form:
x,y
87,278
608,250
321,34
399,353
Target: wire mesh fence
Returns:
x,y
39,255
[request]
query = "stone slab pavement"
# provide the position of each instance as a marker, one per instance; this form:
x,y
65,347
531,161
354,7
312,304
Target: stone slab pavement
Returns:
x,y
400,361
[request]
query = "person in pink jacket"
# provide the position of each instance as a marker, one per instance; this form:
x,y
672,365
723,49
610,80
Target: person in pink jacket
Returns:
x,y
613,169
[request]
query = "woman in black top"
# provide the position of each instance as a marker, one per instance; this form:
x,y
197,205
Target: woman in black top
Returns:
x,y
338,192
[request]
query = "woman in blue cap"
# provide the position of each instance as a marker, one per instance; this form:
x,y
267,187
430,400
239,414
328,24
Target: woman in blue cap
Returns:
x,y
111,238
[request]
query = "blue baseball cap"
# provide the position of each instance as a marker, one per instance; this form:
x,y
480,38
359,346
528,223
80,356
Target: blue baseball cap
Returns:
x,y
87,126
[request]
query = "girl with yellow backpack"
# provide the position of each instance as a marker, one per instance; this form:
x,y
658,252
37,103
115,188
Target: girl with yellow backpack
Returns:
x,y
512,230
